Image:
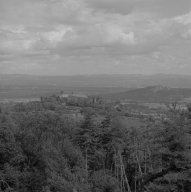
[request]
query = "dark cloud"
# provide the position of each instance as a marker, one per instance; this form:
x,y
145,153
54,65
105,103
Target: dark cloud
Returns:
x,y
123,7
170,8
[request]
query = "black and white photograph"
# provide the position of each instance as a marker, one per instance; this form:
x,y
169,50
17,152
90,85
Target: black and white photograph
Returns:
x,y
95,95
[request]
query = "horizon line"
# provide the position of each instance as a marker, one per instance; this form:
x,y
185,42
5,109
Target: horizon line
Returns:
x,y
96,74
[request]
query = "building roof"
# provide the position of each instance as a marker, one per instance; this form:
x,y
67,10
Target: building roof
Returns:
x,y
64,95
78,95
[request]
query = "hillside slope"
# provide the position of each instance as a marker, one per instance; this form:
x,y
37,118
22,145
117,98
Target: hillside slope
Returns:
x,y
154,93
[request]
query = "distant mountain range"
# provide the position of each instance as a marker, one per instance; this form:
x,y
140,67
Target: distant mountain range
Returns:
x,y
129,81
153,93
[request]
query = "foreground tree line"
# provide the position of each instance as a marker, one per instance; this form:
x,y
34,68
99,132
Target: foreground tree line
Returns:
x,y
42,150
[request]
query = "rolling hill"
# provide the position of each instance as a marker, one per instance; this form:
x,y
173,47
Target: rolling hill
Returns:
x,y
115,86
153,94
103,80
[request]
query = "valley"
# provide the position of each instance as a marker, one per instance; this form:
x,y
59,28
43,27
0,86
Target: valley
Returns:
x,y
93,131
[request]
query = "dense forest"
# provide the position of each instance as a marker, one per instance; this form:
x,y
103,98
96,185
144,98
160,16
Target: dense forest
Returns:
x,y
44,150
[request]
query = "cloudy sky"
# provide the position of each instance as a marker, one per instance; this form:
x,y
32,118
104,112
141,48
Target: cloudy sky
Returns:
x,y
67,37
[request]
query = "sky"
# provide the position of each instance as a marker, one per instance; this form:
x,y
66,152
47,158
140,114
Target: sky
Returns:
x,y
70,37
